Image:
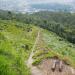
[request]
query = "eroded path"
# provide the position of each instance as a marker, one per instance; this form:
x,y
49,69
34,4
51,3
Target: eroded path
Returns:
x,y
46,66
34,69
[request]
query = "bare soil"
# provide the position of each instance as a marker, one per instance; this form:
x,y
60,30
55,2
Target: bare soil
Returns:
x,y
47,65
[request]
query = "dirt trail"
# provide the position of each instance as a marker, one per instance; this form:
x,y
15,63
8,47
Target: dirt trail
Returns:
x,y
34,69
46,65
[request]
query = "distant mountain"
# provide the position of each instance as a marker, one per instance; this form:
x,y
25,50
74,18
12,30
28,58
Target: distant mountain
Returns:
x,y
52,7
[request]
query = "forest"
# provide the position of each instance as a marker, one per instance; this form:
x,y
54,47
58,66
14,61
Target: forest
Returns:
x,y
62,23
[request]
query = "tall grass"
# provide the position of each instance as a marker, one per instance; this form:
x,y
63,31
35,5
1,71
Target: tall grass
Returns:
x,y
16,41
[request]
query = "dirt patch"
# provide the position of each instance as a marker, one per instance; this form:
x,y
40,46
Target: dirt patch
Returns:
x,y
47,66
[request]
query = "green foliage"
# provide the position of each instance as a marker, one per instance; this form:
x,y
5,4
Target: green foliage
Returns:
x,y
16,41
62,23
37,61
54,46
62,48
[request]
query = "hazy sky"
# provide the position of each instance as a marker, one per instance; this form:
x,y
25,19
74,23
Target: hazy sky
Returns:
x,y
49,1
41,1
25,4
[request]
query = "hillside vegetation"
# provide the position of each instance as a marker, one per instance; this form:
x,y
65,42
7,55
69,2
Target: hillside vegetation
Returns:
x,y
18,36
62,23
51,45
16,41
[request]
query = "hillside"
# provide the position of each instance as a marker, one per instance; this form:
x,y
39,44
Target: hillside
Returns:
x,y
31,43
52,7
47,46
62,23
57,46
16,41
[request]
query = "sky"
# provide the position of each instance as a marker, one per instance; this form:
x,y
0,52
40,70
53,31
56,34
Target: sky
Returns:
x,y
50,1
25,4
40,1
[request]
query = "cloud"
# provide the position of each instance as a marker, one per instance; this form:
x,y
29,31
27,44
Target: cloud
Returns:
x,y
51,1
37,1
25,5
14,4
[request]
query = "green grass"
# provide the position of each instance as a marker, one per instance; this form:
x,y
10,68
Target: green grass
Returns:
x,y
54,46
16,41
63,48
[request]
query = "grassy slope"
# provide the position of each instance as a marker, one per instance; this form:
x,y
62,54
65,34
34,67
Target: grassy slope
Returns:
x,y
53,45
16,41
